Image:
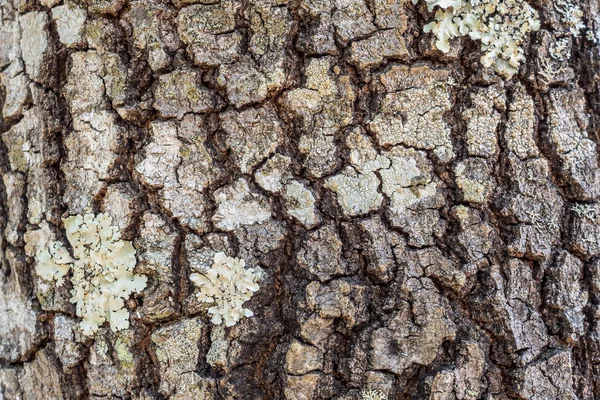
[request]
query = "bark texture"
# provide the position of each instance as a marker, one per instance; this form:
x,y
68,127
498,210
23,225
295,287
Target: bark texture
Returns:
x,y
421,226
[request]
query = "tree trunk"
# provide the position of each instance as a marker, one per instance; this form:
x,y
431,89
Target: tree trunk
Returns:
x,y
419,226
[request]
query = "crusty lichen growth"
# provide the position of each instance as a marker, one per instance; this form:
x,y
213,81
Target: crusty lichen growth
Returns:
x,y
227,284
593,37
102,270
237,206
500,25
584,211
560,49
570,15
371,394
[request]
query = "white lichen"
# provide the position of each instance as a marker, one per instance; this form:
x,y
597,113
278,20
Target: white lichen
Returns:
x,y
570,15
559,49
237,206
593,37
53,262
371,394
553,68
300,203
542,224
500,25
275,177
586,211
228,285
357,193
408,181
102,267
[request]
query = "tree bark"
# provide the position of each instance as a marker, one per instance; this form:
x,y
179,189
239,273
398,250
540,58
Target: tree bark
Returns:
x,y
420,226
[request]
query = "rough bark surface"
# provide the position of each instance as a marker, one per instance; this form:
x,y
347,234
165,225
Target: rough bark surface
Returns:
x,y
422,227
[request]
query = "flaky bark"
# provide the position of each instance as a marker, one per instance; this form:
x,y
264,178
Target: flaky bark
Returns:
x,y
421,226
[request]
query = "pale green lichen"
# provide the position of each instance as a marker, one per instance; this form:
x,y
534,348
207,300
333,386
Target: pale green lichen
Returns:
x,y
102,267
122,349
53,263
500,25
228,285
